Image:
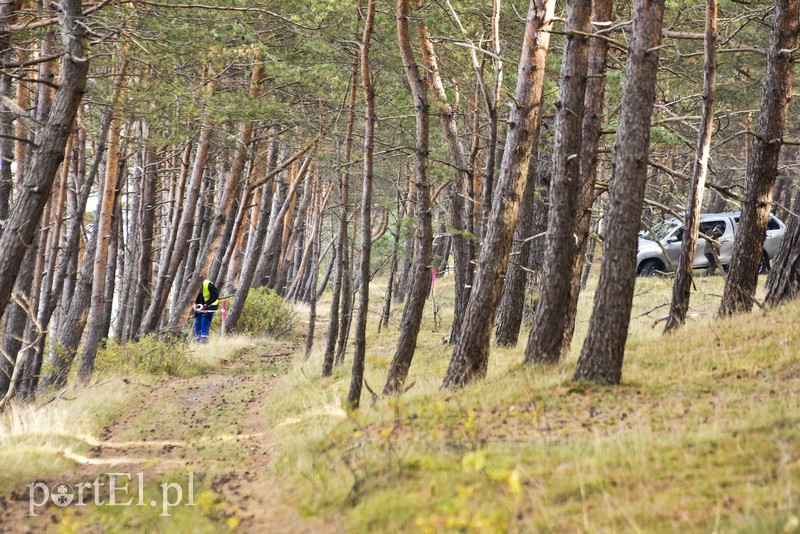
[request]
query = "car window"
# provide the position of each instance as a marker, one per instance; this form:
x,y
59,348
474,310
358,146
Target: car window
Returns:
x,y
773,224
707,226
660,229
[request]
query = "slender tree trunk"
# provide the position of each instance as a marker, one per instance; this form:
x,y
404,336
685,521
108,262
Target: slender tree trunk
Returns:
x,y
387,303
512,301
602,11
492,110
423,249
255,243
604,348
144,277
15,317
173,258
359,353
458,190
681,290
548,341
471,354
105,229
740,286
8,16
404,280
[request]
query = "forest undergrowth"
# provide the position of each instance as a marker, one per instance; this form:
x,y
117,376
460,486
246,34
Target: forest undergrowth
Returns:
x,y
701,435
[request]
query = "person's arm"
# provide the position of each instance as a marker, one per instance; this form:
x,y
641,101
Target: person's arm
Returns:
x,y
213,293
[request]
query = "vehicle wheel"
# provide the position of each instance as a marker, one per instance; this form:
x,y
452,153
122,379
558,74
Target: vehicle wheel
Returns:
x,y
650,268
764,267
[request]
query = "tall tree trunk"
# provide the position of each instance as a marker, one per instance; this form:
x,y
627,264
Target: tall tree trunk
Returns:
x,y
360,349
15,318
512,301
387,303
740,286
604,348
105,229
255,243
471,355
681,290
144,270
492,104
458,190
341,279
602,11
48,151
423,249
548,341
8,16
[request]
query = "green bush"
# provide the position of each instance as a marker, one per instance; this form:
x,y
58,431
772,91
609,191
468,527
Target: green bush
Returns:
x,y
150,355
266,314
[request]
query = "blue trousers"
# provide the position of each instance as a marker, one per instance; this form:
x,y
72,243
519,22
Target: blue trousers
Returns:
x,y
202,326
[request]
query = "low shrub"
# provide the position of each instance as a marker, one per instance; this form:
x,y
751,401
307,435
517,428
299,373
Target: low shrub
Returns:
x,y
266,314
150,355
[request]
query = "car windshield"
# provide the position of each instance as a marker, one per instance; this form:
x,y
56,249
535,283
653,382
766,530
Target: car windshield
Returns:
x,y
660,229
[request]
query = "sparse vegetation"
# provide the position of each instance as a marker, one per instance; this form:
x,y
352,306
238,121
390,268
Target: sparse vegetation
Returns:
x,y
701,433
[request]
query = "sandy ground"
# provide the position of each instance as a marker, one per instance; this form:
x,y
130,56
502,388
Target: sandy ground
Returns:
x,y
211,426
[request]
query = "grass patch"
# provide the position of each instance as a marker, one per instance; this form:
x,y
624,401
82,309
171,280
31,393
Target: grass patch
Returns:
x,y
702,433
33,437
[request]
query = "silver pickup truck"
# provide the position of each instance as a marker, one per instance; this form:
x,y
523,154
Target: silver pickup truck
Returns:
x,y
660,246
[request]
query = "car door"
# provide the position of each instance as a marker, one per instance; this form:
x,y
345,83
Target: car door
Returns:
x,y
725,241
672,246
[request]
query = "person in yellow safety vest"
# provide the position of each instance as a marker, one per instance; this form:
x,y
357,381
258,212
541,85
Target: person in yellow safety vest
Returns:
x,y
206,304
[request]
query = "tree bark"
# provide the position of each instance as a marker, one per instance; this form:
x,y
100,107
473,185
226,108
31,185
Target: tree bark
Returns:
x,y
604,348
740,286
548,341
105,229
681,290
255,244
360,349
471,354
423,249
512,301
783,282
48,152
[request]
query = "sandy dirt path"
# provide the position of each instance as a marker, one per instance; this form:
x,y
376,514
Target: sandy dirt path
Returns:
x,y
210,429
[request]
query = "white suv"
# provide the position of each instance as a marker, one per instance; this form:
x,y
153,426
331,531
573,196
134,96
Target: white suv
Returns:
x,y
660,246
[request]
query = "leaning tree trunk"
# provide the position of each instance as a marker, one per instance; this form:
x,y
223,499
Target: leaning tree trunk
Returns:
x,y
547,342
341,276
471,355
423,249
604,348
512,300
458,190
255,242
105,228
172,258
740,286
48,149
681,290
360,348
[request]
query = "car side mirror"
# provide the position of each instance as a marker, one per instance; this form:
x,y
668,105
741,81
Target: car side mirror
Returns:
x,y
673,240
